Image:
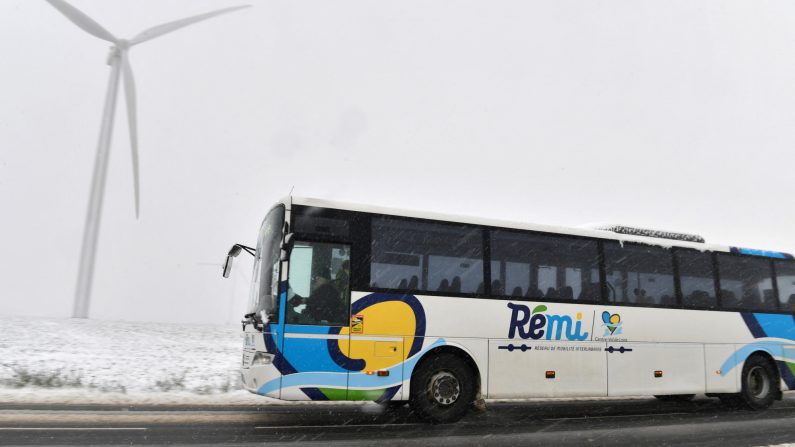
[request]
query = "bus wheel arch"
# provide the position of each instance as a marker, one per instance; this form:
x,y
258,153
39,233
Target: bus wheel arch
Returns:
x,y
760,382
458,351
444,368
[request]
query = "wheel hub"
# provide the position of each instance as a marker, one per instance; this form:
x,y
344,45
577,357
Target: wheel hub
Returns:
x,y
758,382
444,388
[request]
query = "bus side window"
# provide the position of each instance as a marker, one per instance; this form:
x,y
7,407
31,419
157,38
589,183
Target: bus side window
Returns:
x,y
412,256
785,278
639,274
318,284
746,283
697,278
541,266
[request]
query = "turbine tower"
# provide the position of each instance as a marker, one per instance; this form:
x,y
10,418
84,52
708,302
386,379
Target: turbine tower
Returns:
x,y
119,62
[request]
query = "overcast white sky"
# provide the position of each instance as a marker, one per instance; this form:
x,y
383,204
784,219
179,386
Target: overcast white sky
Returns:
x,y
674,114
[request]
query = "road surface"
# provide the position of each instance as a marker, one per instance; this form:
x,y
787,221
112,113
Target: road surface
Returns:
x,y
703,422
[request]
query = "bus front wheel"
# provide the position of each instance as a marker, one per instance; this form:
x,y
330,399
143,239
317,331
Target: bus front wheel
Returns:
x,y
442,389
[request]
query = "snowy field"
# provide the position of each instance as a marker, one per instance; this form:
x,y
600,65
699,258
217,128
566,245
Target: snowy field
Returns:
x,y
68,360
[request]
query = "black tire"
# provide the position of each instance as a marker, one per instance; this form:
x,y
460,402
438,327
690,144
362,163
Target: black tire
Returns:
x,y
760,383
675,397
731,400
442,389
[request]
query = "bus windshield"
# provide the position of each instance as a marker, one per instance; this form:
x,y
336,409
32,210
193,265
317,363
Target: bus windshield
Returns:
x,y
265,284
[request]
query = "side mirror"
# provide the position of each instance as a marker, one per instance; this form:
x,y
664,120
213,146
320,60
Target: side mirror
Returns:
x,y
228,266
233,252
287,246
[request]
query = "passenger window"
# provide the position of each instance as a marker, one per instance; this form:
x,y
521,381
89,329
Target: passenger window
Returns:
x,y
536,266
746,283
697,278
318,284
785,278
418,256
639,274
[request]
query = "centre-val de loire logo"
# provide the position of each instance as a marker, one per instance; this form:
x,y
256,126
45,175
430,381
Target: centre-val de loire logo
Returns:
x,y
612,323
538,324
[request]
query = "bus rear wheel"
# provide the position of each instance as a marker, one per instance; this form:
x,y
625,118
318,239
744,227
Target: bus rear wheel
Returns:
x,y
759,385
442,389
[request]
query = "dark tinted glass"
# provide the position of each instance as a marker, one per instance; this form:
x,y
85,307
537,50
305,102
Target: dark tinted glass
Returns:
x,y
319,222
697,277
541,266
785,278
420,256
746,283
639,274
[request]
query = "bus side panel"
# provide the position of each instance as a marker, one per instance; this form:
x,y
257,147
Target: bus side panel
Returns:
x,y
529,368
655,368
382,369
718,380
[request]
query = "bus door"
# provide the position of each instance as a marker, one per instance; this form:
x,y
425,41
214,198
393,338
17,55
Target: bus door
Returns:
x,y
316,319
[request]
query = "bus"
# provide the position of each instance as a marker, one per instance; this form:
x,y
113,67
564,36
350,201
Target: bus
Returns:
x,y
353,302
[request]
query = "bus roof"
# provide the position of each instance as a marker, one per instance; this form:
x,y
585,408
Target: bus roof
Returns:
x,y
554,229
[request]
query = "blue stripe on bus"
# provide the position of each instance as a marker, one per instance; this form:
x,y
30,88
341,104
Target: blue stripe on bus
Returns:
x,y
314,393
305,329
765,253
753,325
775,325
272,341
773,348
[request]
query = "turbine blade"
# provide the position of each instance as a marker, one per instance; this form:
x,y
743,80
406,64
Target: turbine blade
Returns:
x,y
132,119
159,30
80,19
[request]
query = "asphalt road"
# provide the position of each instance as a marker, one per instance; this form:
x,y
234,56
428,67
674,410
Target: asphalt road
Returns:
x,y
703,422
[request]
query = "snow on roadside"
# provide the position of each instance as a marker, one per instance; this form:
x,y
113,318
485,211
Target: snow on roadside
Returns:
x,y
86,360
70,396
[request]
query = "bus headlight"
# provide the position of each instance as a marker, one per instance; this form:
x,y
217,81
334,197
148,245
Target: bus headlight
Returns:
x,y
262,358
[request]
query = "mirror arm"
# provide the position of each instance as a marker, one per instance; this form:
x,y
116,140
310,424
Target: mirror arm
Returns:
x,y
250,250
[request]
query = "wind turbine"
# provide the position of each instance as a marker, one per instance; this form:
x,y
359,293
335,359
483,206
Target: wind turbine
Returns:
x,y
119,62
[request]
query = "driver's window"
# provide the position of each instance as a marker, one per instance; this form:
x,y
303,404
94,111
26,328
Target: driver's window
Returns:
x,y
319,284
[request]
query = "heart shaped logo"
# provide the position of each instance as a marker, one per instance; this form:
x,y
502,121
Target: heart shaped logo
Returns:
x,y
612,322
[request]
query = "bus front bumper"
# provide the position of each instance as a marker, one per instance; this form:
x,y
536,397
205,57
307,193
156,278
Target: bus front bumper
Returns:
x,y
259,375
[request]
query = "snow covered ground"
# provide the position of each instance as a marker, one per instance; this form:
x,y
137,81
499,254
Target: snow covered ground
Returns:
x,y
68,360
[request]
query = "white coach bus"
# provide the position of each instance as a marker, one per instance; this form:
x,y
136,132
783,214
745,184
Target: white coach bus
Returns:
x,y
353,302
